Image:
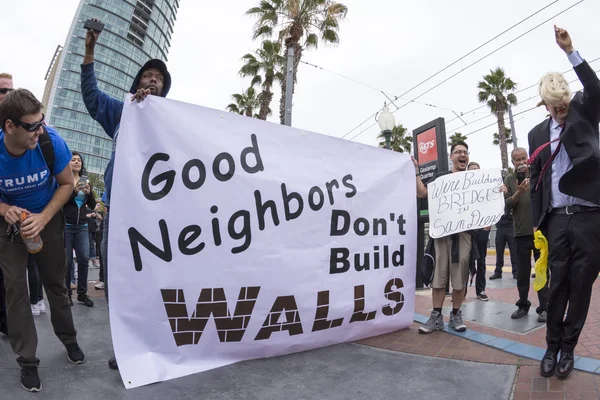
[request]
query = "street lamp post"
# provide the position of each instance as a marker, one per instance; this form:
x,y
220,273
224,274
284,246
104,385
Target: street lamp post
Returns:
x,y
386,121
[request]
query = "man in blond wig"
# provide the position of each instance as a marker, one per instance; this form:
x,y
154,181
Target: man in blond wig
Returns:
x,y
565,202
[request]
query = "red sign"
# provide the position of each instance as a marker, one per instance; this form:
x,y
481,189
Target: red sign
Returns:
x,y
427,146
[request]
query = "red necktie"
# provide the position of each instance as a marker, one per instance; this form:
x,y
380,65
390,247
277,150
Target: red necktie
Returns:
x,y
552,157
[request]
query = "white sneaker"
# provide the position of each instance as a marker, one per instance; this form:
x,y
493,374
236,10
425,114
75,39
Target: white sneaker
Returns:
x,y
35,310
99,286
41,306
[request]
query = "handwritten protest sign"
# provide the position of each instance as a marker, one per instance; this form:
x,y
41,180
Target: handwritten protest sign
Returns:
x,y
245,239
463,201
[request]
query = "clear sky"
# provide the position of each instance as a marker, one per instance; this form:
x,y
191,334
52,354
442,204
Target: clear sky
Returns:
x,y
389,45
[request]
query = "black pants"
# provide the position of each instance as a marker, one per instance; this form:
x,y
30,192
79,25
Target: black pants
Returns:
x,y
481,238
36,291
574,243
524,249
3,321
504,236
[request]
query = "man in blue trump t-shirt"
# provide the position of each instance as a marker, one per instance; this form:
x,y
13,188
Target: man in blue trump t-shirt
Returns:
x,y
27,185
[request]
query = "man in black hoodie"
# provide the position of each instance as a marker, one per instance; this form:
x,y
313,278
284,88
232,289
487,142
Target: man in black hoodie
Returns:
x,y
152,79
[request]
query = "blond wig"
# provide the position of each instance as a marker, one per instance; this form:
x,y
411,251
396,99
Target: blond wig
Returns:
x,y
554,88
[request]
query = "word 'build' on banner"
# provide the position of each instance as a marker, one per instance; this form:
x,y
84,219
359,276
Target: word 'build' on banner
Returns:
x,y
464,201
246,239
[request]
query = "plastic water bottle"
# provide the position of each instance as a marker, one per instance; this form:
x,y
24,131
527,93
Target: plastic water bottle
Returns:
x,y
33,244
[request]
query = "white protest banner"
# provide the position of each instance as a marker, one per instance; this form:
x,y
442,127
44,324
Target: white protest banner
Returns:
x,y
463,201
232,238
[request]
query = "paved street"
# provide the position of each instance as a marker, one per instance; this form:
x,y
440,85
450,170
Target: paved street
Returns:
x,y
400,365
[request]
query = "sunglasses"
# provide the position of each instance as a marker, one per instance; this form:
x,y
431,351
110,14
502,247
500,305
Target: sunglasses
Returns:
x,y
5,90
31,127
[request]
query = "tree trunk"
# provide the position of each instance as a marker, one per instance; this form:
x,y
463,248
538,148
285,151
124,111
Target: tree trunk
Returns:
x,y
288,44
502,137
265,102
248,112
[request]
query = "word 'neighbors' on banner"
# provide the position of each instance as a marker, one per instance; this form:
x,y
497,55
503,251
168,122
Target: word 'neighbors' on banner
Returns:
x,y
464,201
248,239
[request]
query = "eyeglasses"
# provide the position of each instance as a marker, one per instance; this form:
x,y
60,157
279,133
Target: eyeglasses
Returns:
x,y
31,127
460,152
5,90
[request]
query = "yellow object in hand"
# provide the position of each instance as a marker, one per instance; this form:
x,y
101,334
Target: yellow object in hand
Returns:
x,y
541,265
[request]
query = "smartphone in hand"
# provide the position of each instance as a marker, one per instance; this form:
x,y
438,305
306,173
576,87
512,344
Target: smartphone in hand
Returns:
x,y
97,26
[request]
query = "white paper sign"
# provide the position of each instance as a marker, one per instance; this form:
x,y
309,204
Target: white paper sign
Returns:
x,y
233,239
463,201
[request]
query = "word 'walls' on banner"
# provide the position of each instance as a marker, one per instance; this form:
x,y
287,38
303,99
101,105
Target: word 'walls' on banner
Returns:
x,y
463,201
244,239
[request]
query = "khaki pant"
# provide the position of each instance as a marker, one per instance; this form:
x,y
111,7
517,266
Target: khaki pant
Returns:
x,y
458,272
52,267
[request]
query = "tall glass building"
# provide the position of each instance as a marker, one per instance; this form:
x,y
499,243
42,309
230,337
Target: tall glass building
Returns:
x,y
134,32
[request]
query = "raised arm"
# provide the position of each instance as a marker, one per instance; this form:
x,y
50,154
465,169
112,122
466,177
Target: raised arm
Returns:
x,y
585,73
421,188
100,106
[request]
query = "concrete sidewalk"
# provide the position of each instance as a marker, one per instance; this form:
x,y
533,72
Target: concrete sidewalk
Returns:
x,y
346,371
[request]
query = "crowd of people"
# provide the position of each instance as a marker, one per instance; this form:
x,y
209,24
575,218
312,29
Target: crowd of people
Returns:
x,y
45,196
555,189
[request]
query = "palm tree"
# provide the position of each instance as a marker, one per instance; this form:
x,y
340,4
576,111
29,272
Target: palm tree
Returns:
x,y
495,90
398,141
97,183
457,138
508,138
271,63
245,102
307,20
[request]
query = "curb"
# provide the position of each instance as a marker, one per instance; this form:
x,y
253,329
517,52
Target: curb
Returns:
x,y
585,364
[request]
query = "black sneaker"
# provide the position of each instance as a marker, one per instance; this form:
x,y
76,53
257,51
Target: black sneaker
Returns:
x,y
483,297
85,300
495,275
30,379
74,354
520,313
112,363
4,328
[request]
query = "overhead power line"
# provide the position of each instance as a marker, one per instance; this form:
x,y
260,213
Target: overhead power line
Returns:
x,y
516,92
453,63
520,102
470,65
370,86
516,114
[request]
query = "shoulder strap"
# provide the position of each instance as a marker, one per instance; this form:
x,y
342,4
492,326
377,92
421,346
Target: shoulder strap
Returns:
x,y
47,149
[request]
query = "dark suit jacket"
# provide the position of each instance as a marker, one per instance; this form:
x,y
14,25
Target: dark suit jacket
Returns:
x,y
580,140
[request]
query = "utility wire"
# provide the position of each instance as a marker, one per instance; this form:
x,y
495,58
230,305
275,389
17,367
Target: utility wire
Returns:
x,y
470,65
516,114
373,87
453,63
518,91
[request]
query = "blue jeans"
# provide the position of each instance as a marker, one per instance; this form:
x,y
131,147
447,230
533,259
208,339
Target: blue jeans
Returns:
x,y
104,252
92,240
77,237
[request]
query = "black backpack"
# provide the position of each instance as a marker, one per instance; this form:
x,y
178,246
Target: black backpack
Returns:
x,y
427,266
47,149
